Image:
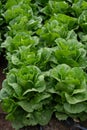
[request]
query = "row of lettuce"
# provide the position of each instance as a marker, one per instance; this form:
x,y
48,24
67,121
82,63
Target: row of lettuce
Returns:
x,y
3,27
46,49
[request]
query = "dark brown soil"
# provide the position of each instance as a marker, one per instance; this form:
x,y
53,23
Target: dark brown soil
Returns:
x,y
4,125
54,124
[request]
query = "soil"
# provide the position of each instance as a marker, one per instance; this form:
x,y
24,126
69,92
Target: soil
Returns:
x,y
54,124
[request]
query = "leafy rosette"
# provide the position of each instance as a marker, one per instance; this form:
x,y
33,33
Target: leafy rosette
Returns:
x,y
25,98
70,87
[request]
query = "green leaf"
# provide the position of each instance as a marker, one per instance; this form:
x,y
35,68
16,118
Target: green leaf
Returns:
x,y
6,89
9,105
59,72
61,116
66,19
79,6
40,84
73,108
10,3
29,106
17,88
43,117
76,98
54,7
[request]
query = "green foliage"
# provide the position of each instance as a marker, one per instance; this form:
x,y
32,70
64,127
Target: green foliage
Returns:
x,y
2,23
46,49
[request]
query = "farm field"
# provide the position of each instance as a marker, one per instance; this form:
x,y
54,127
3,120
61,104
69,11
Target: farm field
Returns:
x,y
43,64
